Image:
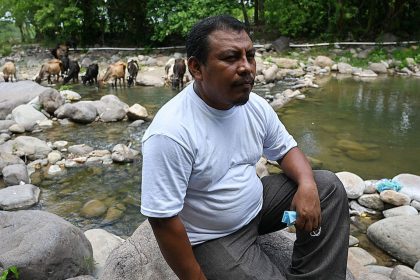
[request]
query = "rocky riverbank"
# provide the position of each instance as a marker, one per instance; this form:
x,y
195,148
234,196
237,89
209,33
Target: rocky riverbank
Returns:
x,y
28,107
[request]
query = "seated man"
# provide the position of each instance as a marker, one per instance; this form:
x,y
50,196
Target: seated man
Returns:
x,y
205,203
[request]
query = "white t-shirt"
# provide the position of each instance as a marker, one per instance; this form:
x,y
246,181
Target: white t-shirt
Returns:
x,y
199,163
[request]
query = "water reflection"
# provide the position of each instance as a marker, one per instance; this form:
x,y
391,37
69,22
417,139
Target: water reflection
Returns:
x,y
380,116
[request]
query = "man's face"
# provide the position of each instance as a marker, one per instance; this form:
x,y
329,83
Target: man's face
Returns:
x,y
227,78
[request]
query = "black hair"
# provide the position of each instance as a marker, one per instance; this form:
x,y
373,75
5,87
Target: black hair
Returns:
x,y
197,39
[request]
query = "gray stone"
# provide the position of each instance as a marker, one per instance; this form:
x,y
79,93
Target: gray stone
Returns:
x,y
405,210
281,44
27,116
137,112
395,198
15,94
15,173
353,241
415,204
370,187
8,159
417,267
31,147
378,68
5,124
361,209
80,112
398,236
402,272
43,246
410,185
379,269
353,184
122,153
81,149
372,201
82,277
19,197
372,276
362,255
51,100
103,243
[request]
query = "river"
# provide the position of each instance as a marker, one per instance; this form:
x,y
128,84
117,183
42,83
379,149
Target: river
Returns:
x,y
380,117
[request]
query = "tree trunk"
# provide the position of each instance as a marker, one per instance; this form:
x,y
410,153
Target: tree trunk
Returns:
x,y
256,15
244,11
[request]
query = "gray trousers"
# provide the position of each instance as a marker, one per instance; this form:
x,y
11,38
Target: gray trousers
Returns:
x,y
238,255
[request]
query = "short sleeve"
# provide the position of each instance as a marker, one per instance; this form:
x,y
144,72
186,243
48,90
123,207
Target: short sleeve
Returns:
x,y
277,140
166,169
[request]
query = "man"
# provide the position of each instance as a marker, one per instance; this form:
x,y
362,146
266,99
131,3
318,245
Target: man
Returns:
x,y
200,190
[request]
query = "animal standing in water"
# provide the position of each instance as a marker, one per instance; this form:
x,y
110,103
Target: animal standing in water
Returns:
x,y
133,69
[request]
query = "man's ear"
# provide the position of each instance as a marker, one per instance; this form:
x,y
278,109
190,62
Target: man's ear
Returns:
x,y
194,67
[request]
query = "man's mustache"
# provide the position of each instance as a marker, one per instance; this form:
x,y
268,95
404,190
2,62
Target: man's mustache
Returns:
x,y
245,80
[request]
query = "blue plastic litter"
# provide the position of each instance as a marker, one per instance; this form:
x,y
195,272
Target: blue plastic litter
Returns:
x,y
386,184
289,217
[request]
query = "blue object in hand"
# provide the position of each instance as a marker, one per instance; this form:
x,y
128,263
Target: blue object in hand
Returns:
x,y
289,217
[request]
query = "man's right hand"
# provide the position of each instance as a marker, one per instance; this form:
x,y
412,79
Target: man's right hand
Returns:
x,y
176,248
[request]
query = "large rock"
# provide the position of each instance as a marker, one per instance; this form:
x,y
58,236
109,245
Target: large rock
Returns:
x,y
51,100
8,159
353,184
281,44
410,185
27,116
31,147
137,112
81,112
18,197
15,94
15,173
323,61
103,243
43,246
110,108
398,236
139,256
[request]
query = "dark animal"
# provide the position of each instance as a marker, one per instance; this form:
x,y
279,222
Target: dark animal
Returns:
x,y
179,71
73,73
9,71
52,67
133,69
60,50
65,64
115,71
91,75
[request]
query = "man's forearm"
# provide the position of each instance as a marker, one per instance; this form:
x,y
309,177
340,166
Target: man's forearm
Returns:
x,y
176,248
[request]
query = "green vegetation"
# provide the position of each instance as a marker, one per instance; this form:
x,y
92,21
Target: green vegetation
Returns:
x,y
166,22
11,273
9,36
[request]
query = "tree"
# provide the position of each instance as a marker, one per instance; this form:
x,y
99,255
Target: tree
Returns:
x,y
171,19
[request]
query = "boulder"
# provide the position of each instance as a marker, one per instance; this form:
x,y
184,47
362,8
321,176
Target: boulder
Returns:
x,y
31,147
323,61
15,94
15,173
137,112
27,116
398,236
51,100
8,159
353,184
103,243
43,246
410,185
18,197
139,256
281,44
81,112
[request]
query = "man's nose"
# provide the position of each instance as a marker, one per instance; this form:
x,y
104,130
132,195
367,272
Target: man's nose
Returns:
x,y
245,66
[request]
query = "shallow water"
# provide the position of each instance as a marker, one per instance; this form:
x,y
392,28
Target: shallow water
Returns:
x,y
379,118
381,115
